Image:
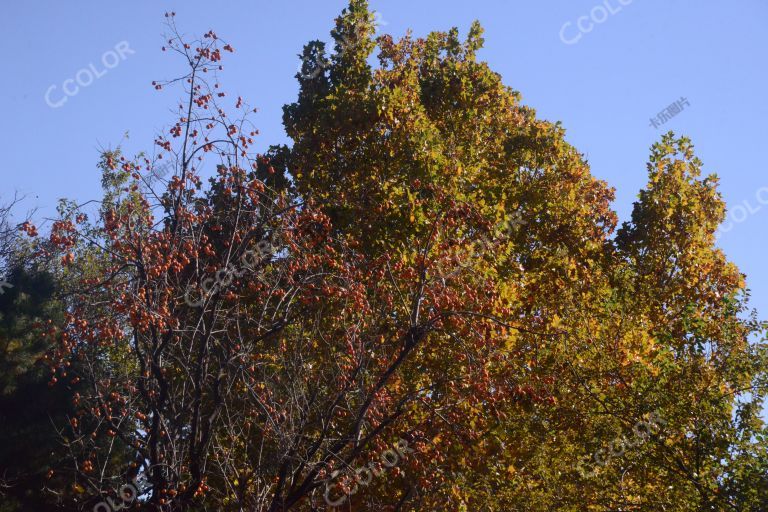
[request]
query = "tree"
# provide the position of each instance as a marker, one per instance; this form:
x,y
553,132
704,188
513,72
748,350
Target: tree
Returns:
x,y
426,285
30,411
242,375
610,327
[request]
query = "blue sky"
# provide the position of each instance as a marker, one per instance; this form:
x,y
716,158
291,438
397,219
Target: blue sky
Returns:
x,y
602,67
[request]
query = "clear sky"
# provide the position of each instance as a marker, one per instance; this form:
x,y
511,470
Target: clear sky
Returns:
x,y
604,68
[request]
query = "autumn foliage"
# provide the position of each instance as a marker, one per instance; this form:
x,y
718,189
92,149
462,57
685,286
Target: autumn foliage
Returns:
x,y
428,264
